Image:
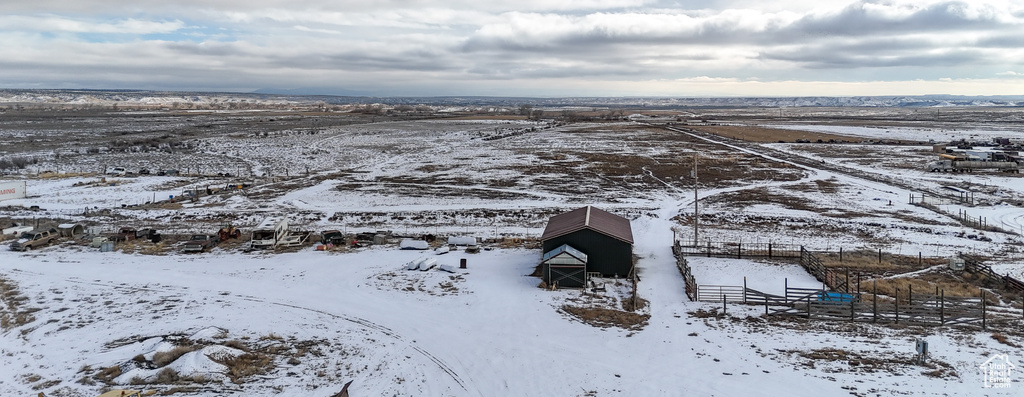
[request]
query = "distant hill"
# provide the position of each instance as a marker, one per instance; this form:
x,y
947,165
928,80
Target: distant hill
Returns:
x,y
331,96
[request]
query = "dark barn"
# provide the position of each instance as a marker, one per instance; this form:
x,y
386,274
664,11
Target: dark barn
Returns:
x,y
604,237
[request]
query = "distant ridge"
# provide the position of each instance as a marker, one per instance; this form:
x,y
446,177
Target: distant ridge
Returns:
x,y
331,96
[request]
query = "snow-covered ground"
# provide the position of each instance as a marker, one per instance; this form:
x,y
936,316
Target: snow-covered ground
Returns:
x,y
486,330
494,333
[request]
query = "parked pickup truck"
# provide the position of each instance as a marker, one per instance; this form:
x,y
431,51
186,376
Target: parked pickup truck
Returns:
x,y
34,239
200,243
332,237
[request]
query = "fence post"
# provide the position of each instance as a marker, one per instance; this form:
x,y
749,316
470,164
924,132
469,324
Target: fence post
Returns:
x,y
709,248
785,289
847,280
840,254
851,310
897,305
724,308
910,294
983,307
744,289
879,255
769,250
766,305
808,308
942,308
874,300
739,250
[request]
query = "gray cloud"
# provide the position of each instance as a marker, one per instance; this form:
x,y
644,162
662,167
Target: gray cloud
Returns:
x,y
430,44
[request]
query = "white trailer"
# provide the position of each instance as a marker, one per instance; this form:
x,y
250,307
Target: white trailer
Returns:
x,y
270,233
273,233
12,190
970,165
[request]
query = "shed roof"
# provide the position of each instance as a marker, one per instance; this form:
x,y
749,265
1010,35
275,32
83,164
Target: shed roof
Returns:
x,y
588,217
565,249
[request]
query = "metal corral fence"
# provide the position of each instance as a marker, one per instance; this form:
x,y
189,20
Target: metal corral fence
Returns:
x,y
821,304
739,250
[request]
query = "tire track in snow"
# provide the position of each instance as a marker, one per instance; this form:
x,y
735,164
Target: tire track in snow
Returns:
x,y
355,320
376,327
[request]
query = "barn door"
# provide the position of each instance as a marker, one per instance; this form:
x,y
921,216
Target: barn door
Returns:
x,y
568,276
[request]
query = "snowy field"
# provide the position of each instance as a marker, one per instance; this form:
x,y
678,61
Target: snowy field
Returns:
x,y
398,332
323,318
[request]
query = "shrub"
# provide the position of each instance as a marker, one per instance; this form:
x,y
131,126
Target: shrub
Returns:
x,y
167,376
161,359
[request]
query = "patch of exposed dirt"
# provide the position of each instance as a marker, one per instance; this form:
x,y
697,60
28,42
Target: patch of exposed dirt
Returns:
x,y
765,134
604,318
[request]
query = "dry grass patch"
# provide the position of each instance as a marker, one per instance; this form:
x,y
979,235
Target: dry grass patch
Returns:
x,y
763,134
904,286
12,311
1003,339
867,261
859,363
142,246
246,365
161,359
605,318
108,374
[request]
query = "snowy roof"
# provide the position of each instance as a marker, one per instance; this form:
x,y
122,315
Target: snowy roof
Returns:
x,y
589,218
269,223
565,249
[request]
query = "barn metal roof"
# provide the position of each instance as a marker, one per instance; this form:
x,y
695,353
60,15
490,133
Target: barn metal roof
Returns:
x,y
591,218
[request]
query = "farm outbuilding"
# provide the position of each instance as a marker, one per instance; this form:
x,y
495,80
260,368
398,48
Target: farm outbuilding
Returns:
x,y
565,266
605,238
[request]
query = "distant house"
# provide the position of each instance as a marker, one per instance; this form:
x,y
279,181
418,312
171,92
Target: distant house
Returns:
x,y
605,238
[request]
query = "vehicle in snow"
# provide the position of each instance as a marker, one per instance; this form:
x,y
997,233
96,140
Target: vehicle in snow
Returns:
x,y
130,233
200,243
34,239
273,233
16,230
126,234
119,171
228,231
332,237
269,233
975,161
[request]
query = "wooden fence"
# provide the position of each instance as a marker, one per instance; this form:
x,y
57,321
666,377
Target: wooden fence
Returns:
x,y
975,266
684,269
832,278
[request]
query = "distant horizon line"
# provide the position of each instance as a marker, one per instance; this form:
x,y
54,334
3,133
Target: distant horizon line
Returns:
x,y
284,92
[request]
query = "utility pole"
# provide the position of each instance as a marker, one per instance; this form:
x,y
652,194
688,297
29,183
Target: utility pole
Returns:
x,y
696,218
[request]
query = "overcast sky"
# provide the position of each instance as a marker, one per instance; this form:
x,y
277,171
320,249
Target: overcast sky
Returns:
x,y
519,48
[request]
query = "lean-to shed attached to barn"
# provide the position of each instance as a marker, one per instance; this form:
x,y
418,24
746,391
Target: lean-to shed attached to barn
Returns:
x,y
606,239
565,266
